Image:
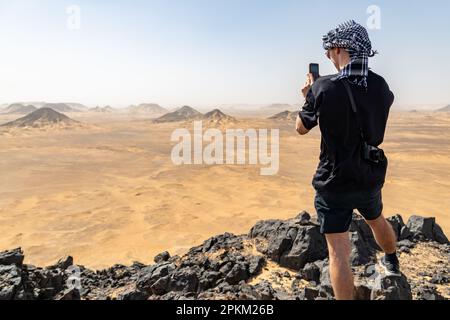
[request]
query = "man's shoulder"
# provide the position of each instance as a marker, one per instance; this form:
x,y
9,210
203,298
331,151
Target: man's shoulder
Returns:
x,y
375,77
325,83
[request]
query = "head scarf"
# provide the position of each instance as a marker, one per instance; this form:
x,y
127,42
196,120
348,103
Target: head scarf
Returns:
x,y
354,38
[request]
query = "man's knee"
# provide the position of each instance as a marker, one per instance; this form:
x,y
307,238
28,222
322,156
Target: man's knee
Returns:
x,y
339,247
377,222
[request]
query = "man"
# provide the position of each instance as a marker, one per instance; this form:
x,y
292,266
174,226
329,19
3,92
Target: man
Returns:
x,y
348,179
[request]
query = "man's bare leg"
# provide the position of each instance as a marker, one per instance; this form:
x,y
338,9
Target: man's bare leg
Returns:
x,y
341,275
384,234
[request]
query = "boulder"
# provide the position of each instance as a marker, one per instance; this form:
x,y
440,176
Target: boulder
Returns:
x,y
69,294
256,263
426,229
149,275
360,226
10,282
362,291
391,288
397,224
237,273
428,293
362,253
310,272
63,263
309,246
133,294
184,280
308,294
12,257
162,257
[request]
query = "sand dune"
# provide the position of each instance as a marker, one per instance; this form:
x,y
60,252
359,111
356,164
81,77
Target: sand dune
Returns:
x,y
116,191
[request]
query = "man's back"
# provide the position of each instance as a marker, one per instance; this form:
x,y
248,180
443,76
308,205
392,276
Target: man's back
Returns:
x,y
341,167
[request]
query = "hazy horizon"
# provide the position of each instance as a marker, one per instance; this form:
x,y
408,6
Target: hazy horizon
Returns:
x,y
209,53
236,106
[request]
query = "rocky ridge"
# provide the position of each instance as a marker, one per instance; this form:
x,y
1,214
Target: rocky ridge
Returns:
x,y
285,260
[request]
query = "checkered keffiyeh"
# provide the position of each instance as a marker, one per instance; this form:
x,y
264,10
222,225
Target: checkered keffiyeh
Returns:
x,y
354,38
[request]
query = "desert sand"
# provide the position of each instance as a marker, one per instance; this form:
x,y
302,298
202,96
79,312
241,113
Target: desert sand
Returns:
x,y
108,192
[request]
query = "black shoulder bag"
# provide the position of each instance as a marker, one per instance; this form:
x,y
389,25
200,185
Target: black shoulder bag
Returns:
x,y
369,153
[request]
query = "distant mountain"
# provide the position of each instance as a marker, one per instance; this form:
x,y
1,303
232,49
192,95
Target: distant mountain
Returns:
x,y
285,115
279,107
18,108
445,109
148,108
106,109
218,117
77,106
60,107
184,114
41,118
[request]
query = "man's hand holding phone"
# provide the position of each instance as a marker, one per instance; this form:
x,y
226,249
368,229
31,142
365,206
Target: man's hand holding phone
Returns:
x,y
309,82
312,76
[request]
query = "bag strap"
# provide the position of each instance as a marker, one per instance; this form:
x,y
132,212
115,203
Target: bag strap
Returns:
x,y
354,107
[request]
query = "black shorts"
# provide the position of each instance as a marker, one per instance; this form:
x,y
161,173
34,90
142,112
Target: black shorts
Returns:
x,y
335,211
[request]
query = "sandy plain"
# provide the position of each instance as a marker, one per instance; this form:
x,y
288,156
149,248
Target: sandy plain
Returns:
x,y
109,193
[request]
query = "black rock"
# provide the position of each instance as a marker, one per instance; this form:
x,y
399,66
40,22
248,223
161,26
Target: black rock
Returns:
x,y
184,280
160,287
69,294
149,275
162,257
12,257
391,288
309,246
256,263
426,229
237,274
49,282
133,294
360,226
10,282
224,241
304,218
63,263
362,291
308,294
311,272
325,288
397,224
264,291
208,280
428,293
440,278
362,253
406,243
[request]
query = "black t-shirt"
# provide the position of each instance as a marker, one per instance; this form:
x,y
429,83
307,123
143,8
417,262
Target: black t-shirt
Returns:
x,y
341,167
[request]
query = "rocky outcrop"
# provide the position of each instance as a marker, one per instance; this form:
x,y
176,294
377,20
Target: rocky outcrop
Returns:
x,y
276,260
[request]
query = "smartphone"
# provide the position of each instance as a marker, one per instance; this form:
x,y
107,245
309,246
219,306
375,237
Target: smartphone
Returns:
x,y
314,70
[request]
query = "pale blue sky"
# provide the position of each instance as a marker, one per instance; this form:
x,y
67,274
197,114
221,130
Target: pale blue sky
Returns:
x,y
210,52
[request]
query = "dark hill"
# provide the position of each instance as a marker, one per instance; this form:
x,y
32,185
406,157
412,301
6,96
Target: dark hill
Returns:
x,y
148,108
445,109
184,114
285,115
218,117
60,107
41,118
18,108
